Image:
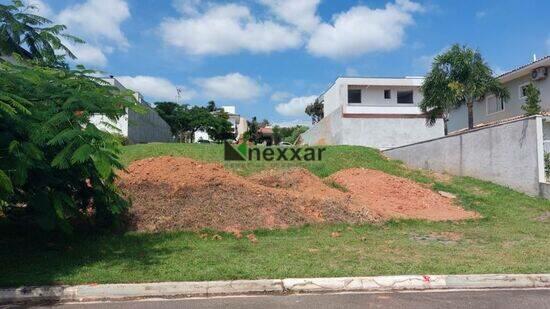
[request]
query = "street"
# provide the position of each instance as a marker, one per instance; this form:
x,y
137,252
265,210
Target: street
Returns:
x,y
527,298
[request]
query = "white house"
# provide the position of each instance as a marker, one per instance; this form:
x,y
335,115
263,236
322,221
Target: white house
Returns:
x,y
374,112
238,123
491,110
138,128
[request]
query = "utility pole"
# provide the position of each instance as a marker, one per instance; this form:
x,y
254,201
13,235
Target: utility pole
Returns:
x,y
178,95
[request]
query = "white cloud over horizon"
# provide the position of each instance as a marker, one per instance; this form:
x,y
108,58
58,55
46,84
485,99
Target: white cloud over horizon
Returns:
x,y
98,20
362,30
206,28
233,86
226,29
156,88
296,106
95,21
301,14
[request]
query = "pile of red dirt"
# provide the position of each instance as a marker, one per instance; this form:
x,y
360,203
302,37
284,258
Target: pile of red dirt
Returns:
x,y
177,193
395,197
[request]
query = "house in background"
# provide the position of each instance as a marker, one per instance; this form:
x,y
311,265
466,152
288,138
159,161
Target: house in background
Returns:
x,y
374,112
491,110
238,123
506,146
136,127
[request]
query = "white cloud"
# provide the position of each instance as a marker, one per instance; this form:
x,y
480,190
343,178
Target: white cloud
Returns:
x,y
302,14
234,86
187,7
295,107
156,88
280,96
362,30
98,20
87,54
39,7
226,29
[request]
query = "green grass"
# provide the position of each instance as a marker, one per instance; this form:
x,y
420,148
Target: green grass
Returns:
x,y
509,239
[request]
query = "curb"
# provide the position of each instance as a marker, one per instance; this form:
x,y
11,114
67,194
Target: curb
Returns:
x,y
275,286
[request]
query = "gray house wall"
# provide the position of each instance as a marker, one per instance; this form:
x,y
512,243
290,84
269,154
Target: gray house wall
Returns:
x,y
459,118
378,132
147,128
328,131
509,154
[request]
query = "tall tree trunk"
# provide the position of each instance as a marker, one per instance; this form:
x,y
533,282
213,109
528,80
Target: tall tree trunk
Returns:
x,y
470,106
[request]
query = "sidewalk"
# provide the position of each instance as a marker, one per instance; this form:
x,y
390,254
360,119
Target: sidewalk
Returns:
x,y
275,286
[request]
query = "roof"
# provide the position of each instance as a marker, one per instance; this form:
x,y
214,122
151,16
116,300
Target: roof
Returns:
x,y
266,130
524,69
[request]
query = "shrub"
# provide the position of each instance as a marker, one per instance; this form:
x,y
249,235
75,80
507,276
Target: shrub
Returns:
x,y
57,168
532,101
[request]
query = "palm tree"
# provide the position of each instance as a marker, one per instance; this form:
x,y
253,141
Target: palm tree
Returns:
x,y
458,76
31,36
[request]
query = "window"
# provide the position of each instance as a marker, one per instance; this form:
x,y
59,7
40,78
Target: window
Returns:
x,y
405,97
354,95
387,94
494,105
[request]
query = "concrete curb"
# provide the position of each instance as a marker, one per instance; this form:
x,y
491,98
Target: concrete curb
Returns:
x,y
275,286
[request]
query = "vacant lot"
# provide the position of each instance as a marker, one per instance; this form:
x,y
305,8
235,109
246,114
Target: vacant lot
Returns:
x,y
511,237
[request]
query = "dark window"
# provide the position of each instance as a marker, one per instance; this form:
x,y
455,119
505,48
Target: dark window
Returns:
x,y
405,97
354,95
387,94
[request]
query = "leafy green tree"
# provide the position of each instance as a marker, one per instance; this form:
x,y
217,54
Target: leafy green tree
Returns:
x,y
458,76
211,106
185,121
288,134
316,111
253,130
56,166
295,133
532,102
169,112
32,36
219,128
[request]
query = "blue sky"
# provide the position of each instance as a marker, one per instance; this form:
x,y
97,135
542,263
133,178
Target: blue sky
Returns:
x,y
271,57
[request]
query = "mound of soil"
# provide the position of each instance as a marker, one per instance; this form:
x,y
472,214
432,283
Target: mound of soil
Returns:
x,y
395,197
177,193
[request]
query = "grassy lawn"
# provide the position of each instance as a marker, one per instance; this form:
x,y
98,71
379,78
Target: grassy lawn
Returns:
x,y
511,238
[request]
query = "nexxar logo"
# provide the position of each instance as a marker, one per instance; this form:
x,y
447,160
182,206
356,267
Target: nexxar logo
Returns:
x,y
243,153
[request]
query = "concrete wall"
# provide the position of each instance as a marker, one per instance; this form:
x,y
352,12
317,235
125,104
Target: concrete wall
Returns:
x,y
377,132
328,131
459,117
383,133
509,154
147,128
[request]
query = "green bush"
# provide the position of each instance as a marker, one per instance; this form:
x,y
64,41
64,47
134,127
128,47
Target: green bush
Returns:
x,y
56,168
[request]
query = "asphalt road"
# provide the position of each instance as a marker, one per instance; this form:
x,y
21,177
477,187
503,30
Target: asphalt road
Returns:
x,y
534,298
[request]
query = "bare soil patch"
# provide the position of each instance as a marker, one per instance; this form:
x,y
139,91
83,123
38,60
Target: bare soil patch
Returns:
x,y
395,197
177,193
